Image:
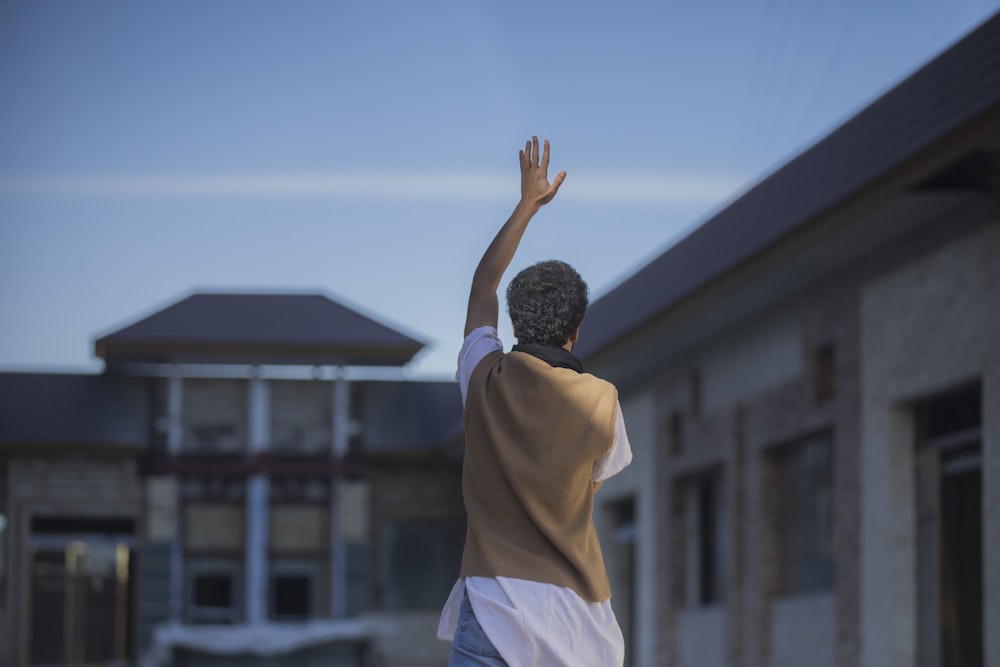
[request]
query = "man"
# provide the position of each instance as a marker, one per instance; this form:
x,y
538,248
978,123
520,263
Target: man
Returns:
x,y
541,436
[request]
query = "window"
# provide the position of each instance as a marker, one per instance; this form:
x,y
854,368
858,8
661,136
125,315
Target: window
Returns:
x,y
301,417
299,549
704,539
694,384
292,597
214,527
3,551
297,589
676,426
418,562
824,373
803,515
215,416
214,590
622,569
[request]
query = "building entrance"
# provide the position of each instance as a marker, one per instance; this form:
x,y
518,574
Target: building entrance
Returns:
x,y
950,530
80,595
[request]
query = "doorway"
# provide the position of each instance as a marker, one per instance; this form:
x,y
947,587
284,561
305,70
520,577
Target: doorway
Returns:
x,y
80,592
950,529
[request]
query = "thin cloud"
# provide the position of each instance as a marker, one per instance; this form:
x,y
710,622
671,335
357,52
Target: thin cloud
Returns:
x,y
617,187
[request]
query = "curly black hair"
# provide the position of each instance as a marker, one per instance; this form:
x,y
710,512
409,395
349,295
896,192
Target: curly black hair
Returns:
x,y
547,302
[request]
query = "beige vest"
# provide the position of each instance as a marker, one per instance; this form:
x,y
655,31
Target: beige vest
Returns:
x,y
532,435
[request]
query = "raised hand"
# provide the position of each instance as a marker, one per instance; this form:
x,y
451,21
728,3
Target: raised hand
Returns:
x,y
535,187
536,191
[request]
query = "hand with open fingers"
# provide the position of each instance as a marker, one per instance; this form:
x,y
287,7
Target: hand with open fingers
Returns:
x,y
535,186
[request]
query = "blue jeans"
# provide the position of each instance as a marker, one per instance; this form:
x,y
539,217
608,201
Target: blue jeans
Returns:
x,y
471,647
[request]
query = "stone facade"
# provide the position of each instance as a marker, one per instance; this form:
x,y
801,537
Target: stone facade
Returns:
x,y
845,359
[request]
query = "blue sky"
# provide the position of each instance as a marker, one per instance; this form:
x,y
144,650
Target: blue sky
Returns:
x,y
369,150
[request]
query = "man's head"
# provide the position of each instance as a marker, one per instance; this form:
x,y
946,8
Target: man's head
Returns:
x,y
547,302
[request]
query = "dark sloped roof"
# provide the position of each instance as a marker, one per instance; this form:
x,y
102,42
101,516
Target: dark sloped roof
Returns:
x,y
957,89
258,329
401,417
73,410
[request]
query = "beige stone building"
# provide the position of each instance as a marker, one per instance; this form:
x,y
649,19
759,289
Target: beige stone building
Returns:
x,y
811,383
242,484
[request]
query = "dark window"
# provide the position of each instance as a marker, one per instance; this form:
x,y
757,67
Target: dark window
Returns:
x,y
803,514
676,426
695,384
80,525
710,539
3,551
824,373
622,570
418,562
948,415
213,590
292,596
701,526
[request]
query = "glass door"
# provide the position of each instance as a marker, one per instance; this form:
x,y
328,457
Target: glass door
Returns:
x,y
80,601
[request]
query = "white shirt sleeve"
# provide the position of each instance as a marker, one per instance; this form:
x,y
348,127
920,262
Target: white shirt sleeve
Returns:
x,y
620,454
480,342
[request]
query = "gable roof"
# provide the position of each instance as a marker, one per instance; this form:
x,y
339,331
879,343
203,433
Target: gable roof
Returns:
x,y
73,410
306,329
940,107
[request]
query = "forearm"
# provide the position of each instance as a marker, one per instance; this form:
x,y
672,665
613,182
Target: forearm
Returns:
x,y
501,251
483,301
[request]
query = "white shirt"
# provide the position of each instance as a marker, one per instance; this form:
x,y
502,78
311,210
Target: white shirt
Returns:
x,y
533,624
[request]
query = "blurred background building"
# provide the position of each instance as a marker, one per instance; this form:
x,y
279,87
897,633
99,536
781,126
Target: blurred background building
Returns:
x,y
225,492
811,382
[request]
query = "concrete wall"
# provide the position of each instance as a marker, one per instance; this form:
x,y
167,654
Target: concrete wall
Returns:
x,y
638,482
726,406
928,326
409,640
803,631
403,492
701,637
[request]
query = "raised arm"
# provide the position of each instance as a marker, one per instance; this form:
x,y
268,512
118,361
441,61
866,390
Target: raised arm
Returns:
x,y
536,191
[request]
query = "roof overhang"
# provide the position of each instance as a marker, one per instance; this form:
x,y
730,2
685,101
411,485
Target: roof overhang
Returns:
x,y
928,148
119,353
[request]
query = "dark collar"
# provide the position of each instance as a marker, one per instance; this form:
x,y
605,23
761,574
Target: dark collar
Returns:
x,y
557,357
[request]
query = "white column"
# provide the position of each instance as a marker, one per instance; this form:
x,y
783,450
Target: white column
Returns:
x,y
341,415
256,548
338,545
257,507
259,409
175,442
175,417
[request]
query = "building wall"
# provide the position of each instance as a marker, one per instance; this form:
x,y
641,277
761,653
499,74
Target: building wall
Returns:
x,y
927,326
639,411
848,358
4,567
417,531
383,544
723,410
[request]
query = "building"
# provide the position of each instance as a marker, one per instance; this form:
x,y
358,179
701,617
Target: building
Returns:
x,y
231,488
811,382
